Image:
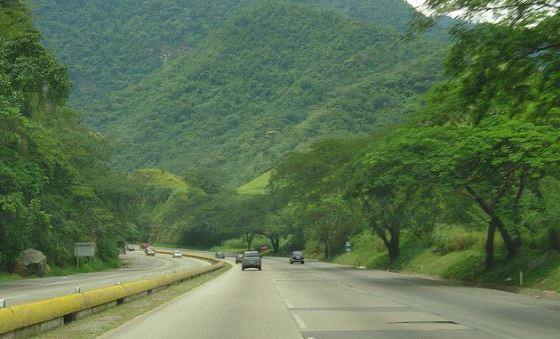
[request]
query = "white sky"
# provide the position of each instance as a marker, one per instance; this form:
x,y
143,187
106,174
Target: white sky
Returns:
x,y
415,3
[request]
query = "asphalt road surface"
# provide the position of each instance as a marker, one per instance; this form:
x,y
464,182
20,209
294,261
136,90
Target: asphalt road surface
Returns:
x,y
137,265
318,300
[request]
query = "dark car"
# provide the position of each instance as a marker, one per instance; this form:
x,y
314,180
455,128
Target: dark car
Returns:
x,y
297,256
238,258
251,259
220,255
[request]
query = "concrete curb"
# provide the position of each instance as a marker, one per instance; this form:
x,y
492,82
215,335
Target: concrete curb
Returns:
x,y
25,319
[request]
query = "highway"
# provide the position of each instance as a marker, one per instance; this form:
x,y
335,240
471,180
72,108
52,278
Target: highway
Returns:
x,y
319,300
136,266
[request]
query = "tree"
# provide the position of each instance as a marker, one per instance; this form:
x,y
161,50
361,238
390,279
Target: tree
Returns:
x,y
393,172
511,12
500,70
495,165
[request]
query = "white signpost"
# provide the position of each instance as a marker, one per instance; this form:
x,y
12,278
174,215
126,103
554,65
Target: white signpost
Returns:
x,y
83,249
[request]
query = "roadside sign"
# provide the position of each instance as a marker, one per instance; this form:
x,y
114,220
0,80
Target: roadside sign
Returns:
x,y
348,246
83,249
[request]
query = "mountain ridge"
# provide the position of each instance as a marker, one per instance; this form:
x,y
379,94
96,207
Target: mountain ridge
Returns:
x,y
274,77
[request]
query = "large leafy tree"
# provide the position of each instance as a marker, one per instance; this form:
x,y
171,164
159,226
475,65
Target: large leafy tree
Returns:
x,y
391,178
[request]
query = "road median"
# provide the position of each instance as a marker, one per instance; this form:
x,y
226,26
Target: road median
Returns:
x,y
27,319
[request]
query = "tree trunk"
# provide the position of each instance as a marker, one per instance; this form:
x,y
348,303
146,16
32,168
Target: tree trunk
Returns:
x,y
275,241
394,245
249,240
490,244
511,245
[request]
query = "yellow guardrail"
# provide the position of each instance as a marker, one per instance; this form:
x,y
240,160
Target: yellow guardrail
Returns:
x,y
25,315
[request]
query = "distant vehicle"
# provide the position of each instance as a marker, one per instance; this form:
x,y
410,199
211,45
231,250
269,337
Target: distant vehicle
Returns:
x,y
297,256
130,248
177,254
220,255
251,259
144,245
238,258
263,248
150,252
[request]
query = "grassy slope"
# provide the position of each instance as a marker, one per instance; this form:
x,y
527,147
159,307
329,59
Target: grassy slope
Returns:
x,y
257,185
165,198
466,265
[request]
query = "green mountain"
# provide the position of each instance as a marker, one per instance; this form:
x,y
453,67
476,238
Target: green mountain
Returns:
x,y
109,45
233,85
272,78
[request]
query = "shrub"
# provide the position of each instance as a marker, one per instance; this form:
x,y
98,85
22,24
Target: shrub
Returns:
x,y
452,238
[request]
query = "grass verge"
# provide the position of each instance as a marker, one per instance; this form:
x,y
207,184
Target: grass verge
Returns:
x,y
99,323
540,272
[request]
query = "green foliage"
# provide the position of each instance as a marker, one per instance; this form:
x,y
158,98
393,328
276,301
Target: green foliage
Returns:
x,y
500,71
54,176
273,76
259,185
452,238
115,44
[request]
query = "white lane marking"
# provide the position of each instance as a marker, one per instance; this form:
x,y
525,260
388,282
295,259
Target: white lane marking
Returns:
x,y
299,321
15,296
288,303
56,289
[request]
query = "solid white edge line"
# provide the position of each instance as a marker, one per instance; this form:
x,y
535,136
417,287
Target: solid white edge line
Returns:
x,y
299,321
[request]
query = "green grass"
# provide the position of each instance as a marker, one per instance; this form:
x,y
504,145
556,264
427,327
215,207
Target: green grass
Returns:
x,y
6,277
85,267
541,271
256,186
160,179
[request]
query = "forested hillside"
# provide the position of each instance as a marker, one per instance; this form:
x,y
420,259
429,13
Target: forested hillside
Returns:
x,y
274,77
56,186
109,45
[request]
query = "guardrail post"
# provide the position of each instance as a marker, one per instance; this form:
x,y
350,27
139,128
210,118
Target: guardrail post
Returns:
x,y
2,303
77,289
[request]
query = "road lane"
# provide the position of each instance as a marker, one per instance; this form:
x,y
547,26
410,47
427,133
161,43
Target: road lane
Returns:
x,y
319,300
136,266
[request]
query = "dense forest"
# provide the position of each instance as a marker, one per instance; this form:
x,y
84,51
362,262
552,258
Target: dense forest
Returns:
x,y
272,76
111,45
56,186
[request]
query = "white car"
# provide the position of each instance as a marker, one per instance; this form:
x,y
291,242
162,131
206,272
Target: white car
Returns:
x,y
177,254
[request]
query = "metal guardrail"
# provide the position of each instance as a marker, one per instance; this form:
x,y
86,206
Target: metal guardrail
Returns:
x,y
26,315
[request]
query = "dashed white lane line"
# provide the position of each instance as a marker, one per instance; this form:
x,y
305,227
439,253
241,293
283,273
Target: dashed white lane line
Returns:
x,y
54,290
288,303
14,296
300,321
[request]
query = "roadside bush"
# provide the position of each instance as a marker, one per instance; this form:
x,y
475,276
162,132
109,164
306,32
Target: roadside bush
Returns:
x,y
451,238
314,249
545,240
